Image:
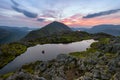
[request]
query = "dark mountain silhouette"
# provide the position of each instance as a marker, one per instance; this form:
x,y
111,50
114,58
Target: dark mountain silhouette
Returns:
x,y
52,28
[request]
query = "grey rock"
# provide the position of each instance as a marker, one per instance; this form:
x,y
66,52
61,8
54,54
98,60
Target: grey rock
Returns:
x,y
58,78
91,61
87,78
65,59
112,47
24,76
98,54
82,67
40,78
42,66
20,75
116,47
117,76
105,76
96,74
61,57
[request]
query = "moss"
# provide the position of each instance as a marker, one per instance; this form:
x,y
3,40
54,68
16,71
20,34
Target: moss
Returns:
x,y
30,67
13,49
10,51
6,60
6,75
104,40
101,42
94,47
84,54
110,55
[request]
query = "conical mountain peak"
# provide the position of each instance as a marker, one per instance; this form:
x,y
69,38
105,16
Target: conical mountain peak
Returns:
x,y
50,29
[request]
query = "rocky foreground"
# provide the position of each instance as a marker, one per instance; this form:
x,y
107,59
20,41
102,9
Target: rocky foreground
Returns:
x,y
65,67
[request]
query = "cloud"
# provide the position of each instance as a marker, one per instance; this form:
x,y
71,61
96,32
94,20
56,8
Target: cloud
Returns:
x,y
40,19
45,19
30,14
102,13
49,13
17,9
25,12
15,3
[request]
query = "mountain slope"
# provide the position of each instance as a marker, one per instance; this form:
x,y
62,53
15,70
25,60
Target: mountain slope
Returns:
x,y
11,34
52,28
3,33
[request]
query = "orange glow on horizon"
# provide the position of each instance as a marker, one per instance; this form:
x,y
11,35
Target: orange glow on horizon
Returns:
x,y
77,22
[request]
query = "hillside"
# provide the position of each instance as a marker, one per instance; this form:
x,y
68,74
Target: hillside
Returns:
x,y
52,28
11,34
3,33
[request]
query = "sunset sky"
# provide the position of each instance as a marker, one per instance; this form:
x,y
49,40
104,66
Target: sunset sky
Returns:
x,y
74,13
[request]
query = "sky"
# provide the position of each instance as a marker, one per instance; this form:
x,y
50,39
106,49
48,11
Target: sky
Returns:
x,y
74,13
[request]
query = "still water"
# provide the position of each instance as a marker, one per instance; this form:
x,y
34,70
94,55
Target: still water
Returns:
x,y
50,52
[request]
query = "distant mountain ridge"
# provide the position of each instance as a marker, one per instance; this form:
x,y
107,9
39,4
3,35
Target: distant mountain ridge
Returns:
x,y
3,33
109,29
105,28
11,34
52,28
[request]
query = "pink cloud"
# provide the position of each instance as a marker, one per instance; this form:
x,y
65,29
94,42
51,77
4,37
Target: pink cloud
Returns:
x,y
77,20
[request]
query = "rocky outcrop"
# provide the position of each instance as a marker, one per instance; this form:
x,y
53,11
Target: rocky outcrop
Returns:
x,y
112,47
21,75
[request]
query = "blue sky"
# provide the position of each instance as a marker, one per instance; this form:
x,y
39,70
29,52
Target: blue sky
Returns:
x,y
75,13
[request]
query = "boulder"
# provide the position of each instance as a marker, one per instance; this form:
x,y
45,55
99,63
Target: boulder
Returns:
x,y
43,66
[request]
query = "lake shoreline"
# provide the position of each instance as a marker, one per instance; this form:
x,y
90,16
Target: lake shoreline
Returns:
x,y
52,50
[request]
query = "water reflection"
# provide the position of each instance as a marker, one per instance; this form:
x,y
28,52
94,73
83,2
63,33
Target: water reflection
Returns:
x,y
44,53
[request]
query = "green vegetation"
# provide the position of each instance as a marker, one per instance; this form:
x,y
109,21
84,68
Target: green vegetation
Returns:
x,y
10,51
92,61
110,55
99,36
102,41
13,49
6,75
67,37
84,54
5,60
30,67
94,47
